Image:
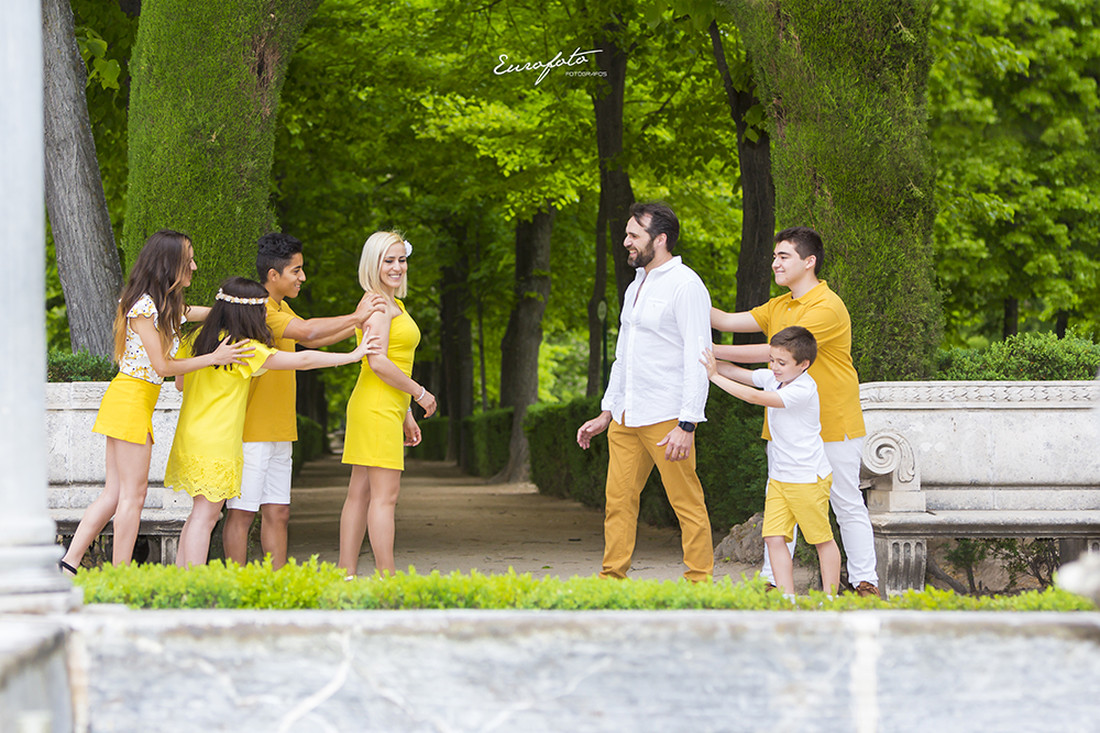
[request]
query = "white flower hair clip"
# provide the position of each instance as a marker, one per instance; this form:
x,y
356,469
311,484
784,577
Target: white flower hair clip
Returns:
x,y
408,247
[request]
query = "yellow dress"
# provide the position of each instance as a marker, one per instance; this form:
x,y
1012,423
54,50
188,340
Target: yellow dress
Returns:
x,y
206,456
376,411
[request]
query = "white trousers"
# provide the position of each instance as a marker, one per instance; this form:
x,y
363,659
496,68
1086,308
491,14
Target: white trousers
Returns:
x,y
851,514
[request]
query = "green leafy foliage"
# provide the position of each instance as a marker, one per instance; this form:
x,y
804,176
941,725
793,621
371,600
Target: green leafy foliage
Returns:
x,y
1013,116
83,366
1025,356
314,585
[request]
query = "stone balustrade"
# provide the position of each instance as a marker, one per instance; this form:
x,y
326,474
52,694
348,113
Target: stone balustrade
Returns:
x,y
978,459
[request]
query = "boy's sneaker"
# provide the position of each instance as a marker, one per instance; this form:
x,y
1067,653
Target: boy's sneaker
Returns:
x,y
865,589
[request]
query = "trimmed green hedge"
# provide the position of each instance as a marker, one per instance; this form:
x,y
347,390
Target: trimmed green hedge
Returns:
x,y
486,436
83,366
433,440
1025,356
322,586
730,459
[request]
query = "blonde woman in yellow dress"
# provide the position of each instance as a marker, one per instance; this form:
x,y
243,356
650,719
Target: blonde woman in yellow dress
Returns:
x,y
207,456
147,334
379,418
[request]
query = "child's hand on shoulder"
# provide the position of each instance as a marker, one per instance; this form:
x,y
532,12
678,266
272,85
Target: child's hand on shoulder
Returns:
x,y
228,353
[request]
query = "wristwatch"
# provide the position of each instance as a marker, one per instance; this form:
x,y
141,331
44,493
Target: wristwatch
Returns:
x,y
687,427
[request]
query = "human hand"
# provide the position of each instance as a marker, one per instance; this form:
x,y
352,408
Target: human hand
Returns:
x,y
427,402
228,353
678,444
592,428
369,304
368,345
709,362
412,430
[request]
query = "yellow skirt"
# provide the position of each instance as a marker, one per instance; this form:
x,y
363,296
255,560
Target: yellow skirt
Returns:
x,y
126,412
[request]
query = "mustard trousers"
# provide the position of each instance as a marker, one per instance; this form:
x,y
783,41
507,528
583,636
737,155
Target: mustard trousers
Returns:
x,y
633,453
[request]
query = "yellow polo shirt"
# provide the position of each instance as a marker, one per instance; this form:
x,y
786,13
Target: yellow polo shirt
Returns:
x,y
822,313
272,404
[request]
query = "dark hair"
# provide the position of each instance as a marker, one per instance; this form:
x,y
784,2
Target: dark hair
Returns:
x,y
797,340
806,242
274,251
158,272
235,320
662,220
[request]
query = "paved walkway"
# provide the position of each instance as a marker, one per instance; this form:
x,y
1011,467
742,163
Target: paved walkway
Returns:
x,y
448,521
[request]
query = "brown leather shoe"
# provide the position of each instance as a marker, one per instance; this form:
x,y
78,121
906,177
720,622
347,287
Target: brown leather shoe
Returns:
x,y
865,589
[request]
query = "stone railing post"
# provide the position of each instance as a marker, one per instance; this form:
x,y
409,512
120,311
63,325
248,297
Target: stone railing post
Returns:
x,y
29,579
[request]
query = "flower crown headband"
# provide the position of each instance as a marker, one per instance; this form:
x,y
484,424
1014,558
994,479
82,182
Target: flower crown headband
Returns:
x,y
239,301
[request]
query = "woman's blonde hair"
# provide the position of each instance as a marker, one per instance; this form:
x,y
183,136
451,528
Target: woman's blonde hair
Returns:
x,y
370,263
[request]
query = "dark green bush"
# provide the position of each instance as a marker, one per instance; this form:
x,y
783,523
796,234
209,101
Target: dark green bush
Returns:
x,y
1025,356
83,366
322,586
310,444
433,440
487,435
730,459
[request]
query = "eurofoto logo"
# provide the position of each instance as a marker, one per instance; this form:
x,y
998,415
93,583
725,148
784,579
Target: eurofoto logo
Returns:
x,y
576,58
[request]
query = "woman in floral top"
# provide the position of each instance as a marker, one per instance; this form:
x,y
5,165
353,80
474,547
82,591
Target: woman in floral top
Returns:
x,y
147,331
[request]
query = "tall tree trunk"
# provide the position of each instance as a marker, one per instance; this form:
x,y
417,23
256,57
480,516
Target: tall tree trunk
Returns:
x,y
457,343
87,257
206,84
616,195
597,307
519,373
754,273
1012,317
844,86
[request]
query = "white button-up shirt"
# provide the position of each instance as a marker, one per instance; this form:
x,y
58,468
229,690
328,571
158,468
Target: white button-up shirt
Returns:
x,y
665,326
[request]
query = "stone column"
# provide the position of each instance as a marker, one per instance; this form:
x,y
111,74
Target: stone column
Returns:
x,y
29,579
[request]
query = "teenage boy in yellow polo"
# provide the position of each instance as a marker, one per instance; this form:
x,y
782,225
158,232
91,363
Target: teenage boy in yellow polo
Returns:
x,y
797,261
271,424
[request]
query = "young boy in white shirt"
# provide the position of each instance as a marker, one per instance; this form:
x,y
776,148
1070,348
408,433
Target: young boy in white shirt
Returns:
x,y
799,474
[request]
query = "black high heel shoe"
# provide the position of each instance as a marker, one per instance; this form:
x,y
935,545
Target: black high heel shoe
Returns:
x,y
64,566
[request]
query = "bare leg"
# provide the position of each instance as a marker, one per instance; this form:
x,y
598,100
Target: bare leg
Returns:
x,y
273,528
353,519
385,485
828,556
132,462
235,534
100,511
194,543
782,566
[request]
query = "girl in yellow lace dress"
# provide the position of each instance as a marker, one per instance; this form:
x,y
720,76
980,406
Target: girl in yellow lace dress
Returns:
x,y
206,457
147,328
380,421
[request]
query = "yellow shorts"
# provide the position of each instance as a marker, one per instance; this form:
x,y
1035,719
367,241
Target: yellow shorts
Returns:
x,y
126,412
806,505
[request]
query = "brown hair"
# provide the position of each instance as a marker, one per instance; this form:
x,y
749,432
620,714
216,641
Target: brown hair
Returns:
x,y
158,272
797,340
236,320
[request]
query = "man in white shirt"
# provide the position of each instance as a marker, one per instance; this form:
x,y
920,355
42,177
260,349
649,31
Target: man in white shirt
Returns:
x,y
656,395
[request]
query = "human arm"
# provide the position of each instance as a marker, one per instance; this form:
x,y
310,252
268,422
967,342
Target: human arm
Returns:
x,y
315,332
313,359
167,366
592,428
389,372
412,430
196,313
740,388
743,353
742,322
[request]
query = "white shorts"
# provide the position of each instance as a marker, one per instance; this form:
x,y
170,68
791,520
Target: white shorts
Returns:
x,y
266,476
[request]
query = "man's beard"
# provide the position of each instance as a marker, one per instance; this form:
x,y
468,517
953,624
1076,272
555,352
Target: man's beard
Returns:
x,y
642,257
